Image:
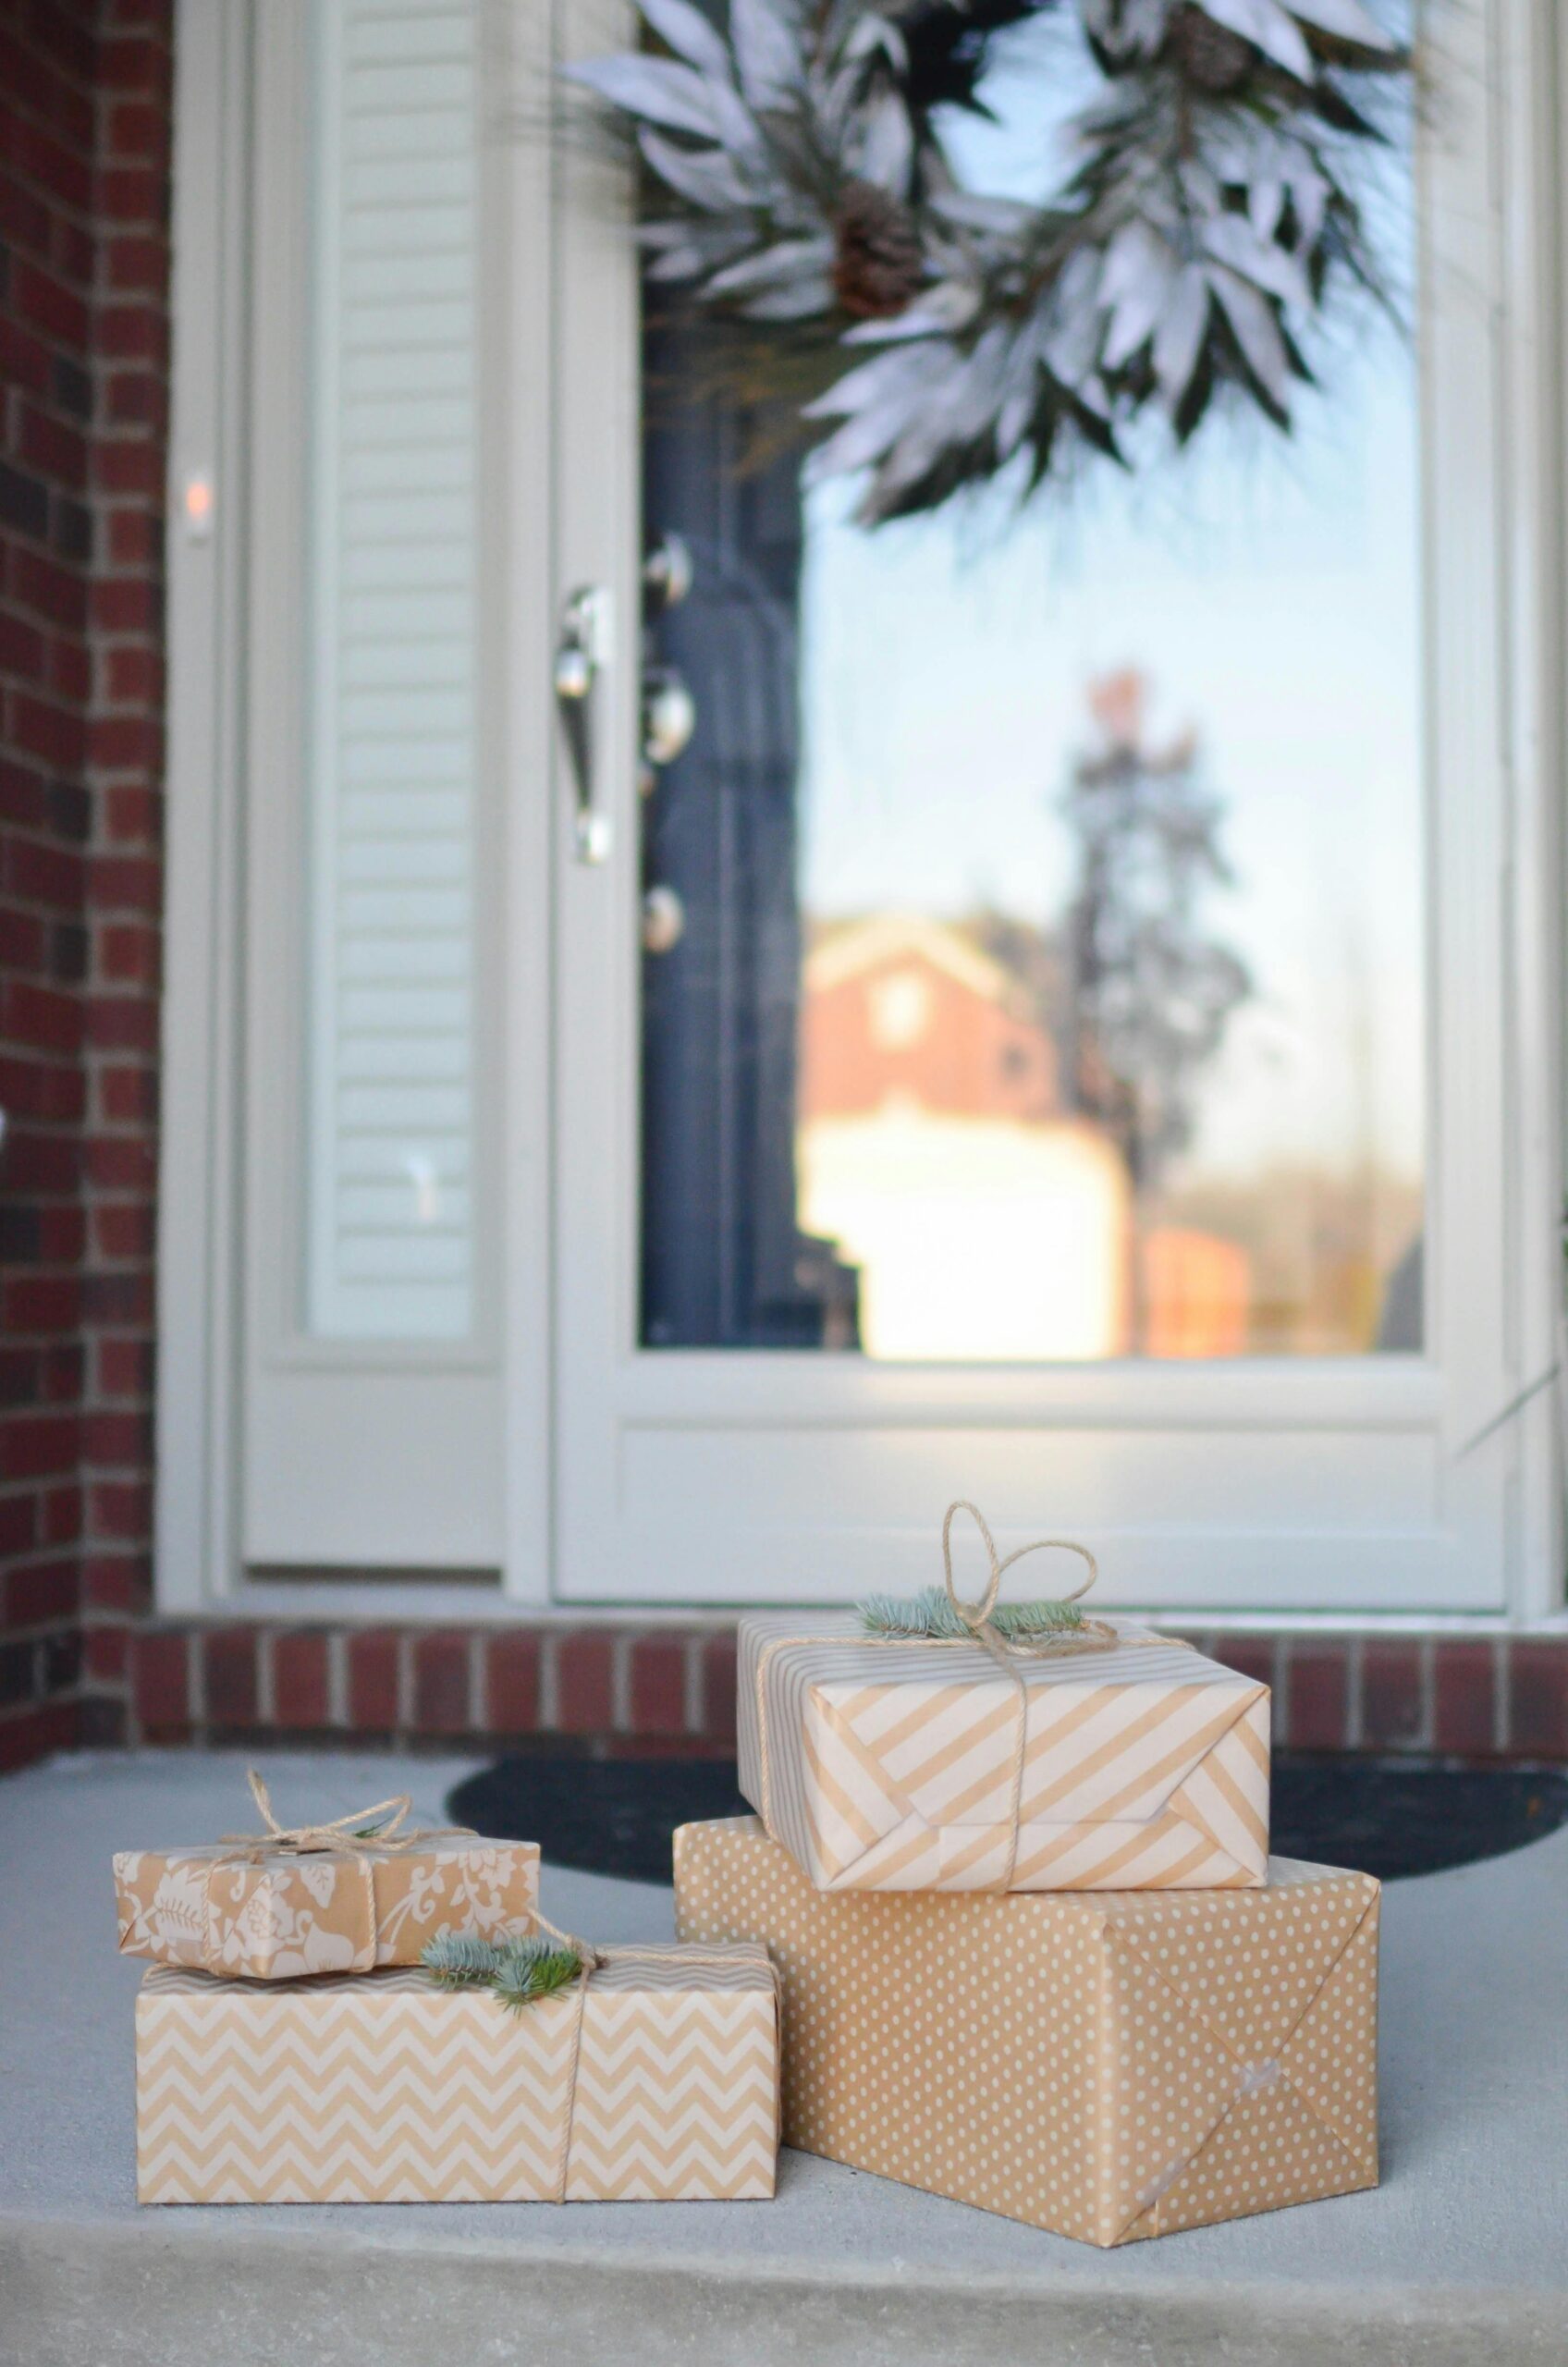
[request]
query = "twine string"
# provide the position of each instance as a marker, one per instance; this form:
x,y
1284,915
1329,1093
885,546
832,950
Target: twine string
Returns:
x,y
1007,1652
592,1959
361,1837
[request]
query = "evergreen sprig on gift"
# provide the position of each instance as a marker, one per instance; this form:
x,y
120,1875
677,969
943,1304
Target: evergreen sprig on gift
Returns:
x,y
530,1969
514,1970
460,1959
931,1615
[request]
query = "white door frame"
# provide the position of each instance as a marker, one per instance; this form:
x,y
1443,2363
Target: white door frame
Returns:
x,y
1493,654
1391,1484
230,1231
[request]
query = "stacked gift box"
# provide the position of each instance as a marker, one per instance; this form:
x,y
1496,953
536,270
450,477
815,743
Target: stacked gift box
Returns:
x,y
1014,1873
1004,1927
348,2012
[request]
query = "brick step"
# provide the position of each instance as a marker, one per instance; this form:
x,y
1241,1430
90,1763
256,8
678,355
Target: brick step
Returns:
x,y
672,1688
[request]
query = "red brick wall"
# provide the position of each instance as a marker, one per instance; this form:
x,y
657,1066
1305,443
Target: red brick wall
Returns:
x,y
84,139
672,1688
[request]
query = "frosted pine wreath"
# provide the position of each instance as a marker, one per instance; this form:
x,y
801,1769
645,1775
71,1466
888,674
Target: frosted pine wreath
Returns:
x,y
798,184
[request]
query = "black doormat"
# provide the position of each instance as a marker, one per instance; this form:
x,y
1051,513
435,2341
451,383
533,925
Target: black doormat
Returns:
x,y
1386,1816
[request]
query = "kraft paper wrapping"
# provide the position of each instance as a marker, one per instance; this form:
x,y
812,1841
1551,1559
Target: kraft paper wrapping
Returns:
x,y
382,2088
1110,2066
289,1916
890,1766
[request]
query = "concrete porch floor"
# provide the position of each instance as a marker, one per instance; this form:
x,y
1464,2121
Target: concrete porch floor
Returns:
x,y
1462,2254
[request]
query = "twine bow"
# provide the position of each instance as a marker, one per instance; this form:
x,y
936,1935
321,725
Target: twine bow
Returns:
x,y
359,1834
1007,1652
361,1837
977,1616
592,1959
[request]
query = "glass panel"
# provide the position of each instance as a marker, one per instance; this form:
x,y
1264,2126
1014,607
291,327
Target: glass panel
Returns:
x,y
1036,962
390,624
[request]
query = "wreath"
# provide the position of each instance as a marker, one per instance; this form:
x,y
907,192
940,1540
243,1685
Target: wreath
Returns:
x,y
797,183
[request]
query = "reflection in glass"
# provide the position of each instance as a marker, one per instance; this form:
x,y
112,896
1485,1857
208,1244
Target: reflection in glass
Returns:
x,y
1050,981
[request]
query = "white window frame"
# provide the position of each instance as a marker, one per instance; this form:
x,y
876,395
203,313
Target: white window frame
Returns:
x,y
1494,630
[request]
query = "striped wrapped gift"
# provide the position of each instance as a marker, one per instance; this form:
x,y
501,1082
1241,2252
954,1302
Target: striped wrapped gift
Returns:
x,y
381,2087
884,1764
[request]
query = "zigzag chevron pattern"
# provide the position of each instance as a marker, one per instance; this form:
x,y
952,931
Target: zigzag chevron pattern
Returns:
x,y
381,2087
890,1766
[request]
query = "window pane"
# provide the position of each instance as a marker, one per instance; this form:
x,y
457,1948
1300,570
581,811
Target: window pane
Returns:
x,y
1050,978
390,628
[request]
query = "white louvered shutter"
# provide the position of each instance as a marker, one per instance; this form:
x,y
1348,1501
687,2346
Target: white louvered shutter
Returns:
x,y
392,634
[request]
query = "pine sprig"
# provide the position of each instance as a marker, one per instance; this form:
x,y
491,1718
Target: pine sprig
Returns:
x,y
931,1615
460,1959
1027,1619
530,1969
515,1971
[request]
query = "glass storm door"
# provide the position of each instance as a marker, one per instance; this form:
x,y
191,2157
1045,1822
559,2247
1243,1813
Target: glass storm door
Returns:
x,y
1028,1024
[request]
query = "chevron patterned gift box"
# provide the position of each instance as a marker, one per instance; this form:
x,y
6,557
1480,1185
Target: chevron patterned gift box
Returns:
x,y
889,1764
1111,2066
658,2082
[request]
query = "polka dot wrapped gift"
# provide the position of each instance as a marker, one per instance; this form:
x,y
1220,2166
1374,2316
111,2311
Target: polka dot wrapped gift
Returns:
x,y
1109,2065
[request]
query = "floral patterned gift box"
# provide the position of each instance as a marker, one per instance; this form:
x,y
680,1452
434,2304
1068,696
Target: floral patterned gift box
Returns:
x,y
1109,2065
339,1898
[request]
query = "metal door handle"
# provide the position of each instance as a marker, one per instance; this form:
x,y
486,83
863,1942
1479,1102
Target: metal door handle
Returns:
x,y
581,652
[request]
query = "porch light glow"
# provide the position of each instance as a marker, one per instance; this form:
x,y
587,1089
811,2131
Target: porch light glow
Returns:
x,y
198,503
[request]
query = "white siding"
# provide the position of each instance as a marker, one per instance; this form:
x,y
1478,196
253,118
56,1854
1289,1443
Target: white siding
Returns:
x,y
390,623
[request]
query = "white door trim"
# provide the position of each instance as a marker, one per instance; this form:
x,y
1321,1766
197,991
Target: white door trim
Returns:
x,y
745,1452
198,1244
224,1208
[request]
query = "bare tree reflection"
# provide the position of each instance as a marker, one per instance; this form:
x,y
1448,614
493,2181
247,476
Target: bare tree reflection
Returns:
x,y
1150,990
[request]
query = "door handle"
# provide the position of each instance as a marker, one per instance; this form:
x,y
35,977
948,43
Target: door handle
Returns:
x,y
581,652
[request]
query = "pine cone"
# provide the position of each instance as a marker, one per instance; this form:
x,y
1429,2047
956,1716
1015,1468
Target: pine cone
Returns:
x,y
879,266
1210,56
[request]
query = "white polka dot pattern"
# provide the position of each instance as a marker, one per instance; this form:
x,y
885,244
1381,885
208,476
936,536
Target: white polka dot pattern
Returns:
x,y
1107,2064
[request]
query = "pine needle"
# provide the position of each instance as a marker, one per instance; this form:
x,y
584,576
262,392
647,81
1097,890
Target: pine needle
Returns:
x,y
514,1970
530,1969
1038,1618
460,1959
931,1615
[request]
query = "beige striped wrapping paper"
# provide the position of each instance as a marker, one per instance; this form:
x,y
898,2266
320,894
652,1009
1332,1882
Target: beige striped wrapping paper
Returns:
x,y
381,2087
890,1766
286,1916
1111,2067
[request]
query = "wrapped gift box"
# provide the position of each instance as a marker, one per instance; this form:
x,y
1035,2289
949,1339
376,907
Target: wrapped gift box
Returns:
x,y
889,1766
381,2087
285,1914
1109,2065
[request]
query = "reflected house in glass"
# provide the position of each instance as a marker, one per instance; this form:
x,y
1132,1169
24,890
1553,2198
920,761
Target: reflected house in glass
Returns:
x,y
931,1148
986,1218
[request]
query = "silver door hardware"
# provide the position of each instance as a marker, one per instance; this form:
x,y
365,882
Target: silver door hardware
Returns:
x,y
664,920
669,715
584,648
666,573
